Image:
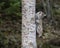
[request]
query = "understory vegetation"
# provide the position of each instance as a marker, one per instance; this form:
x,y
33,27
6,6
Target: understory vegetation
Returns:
x,y
10,25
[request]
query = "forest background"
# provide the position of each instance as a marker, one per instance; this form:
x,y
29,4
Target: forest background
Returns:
x,y
10,24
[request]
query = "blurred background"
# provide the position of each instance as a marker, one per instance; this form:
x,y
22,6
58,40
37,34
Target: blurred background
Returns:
x,y
10,23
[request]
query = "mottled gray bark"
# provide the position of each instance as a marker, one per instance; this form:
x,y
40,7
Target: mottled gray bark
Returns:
x,y
28,24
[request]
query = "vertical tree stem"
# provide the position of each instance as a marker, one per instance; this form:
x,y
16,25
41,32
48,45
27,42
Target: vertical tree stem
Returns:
x,y
28,24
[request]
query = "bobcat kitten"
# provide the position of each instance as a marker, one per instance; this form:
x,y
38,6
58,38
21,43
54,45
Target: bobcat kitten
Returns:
x,y
39,27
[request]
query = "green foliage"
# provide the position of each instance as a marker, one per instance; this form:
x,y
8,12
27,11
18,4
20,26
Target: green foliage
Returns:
x,y
1,5
11,7
10,32
45,45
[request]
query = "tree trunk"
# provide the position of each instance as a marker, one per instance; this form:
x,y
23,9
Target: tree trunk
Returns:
x,y
28,24
48,9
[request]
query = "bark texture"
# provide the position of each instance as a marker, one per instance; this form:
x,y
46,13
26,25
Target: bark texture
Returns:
x,y
28,24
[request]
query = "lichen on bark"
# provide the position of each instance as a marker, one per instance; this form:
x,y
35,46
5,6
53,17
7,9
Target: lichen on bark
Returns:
x,y
28,24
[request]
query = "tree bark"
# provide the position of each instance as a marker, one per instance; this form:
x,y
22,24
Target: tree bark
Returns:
x,y
48,6
28,24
